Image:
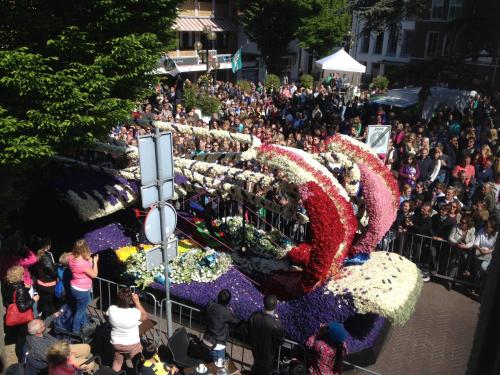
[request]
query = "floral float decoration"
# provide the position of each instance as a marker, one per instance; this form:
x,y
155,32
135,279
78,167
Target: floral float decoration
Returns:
x,y
384,286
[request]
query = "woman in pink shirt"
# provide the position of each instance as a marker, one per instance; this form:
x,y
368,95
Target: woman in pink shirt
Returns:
x,y
83,269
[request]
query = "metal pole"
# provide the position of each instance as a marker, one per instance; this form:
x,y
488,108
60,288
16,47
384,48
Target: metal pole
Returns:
x,y
164,241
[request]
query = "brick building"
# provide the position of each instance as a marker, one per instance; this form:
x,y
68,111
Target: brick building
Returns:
x,y
445,42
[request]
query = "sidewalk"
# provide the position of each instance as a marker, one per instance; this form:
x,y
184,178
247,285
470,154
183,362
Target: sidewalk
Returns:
x,y
437,339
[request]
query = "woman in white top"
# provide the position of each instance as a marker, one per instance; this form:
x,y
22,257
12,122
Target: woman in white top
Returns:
x,y
461,240
484,244
125,318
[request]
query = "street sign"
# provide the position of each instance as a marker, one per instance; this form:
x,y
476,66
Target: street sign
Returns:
x,y
157,167
156,161
378,138
150,194
152,224
154,257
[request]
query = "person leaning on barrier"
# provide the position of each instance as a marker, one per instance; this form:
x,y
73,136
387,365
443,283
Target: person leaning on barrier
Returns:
x,y
125,318
484,244
421,224
462,239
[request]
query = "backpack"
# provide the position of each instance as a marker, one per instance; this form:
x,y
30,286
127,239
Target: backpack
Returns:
x,y
59,291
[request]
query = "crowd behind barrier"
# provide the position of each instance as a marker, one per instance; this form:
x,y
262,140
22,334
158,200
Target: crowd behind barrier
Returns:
x,y
448,169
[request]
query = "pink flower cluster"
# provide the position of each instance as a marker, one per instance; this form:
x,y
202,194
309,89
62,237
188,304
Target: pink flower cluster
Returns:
x,y
381,214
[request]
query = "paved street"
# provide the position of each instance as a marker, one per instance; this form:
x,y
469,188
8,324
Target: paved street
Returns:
x,y
436,340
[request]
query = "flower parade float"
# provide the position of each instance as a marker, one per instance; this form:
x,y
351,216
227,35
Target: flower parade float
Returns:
x,y
335,276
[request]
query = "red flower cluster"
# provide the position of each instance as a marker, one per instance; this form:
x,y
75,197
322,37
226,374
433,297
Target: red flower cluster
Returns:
x,y
324,257
348,223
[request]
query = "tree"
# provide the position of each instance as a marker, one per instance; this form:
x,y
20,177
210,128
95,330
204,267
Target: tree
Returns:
x,y
307,81
381,14
272,82
380,83
272,25
324,26
70,70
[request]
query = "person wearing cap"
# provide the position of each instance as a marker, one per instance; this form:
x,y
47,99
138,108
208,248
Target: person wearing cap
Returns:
x,y
329,349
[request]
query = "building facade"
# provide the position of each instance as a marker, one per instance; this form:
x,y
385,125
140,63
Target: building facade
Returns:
x,y
221,17
434,38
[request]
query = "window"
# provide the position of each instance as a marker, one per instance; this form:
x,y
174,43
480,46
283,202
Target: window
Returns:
x,y
379,43
184,40
365,44
375,69
455,9
437,11
392,44
407,43
448,44
431,43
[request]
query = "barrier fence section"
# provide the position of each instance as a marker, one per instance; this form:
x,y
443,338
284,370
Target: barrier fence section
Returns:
x,y
438,258
192,318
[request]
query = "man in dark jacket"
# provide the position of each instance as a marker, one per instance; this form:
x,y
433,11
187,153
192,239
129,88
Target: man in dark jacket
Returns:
x,y
218,319
266,335
421,225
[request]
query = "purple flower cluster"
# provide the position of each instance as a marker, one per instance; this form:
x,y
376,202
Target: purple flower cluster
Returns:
x,y
318,307
90,182
301,317
112,236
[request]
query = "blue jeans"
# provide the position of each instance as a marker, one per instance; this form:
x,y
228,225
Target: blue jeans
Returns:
x,y
82,300
217,354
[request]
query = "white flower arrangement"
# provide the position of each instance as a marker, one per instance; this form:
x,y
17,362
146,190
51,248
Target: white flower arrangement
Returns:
x,y
136,267
195,265
199,265
88,208
213,169
386,284
204,132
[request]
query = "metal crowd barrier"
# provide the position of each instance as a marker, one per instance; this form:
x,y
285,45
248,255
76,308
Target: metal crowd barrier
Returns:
x,y
192,318
437,257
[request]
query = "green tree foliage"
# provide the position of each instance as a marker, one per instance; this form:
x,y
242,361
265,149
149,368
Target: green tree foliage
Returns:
x,y
381,14
272,82
324,25
190,96
380,83
307,81
70,70
208,104
244,85
319,25
272,24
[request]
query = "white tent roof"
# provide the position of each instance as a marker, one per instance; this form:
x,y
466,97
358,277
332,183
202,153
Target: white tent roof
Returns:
x,y
341,61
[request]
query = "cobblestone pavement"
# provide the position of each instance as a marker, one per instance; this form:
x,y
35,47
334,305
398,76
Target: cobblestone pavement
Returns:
x,y
437,339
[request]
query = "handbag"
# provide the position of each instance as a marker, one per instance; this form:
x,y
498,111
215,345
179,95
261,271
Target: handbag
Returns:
x,y
14,317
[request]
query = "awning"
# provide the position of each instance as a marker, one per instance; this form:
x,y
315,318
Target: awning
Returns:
x,y
197,24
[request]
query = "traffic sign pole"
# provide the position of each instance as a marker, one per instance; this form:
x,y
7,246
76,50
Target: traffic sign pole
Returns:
x,y
164,240
157,186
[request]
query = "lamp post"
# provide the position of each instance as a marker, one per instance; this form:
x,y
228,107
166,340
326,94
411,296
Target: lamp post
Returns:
x,y
211,36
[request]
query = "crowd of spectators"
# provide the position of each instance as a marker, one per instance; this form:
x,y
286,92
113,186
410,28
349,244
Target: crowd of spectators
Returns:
x,y
448,166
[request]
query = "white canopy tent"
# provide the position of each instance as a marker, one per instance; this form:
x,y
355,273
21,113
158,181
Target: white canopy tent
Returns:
x,y
342,63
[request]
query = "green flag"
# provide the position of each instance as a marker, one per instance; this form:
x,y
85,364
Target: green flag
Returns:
x,y
236,63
